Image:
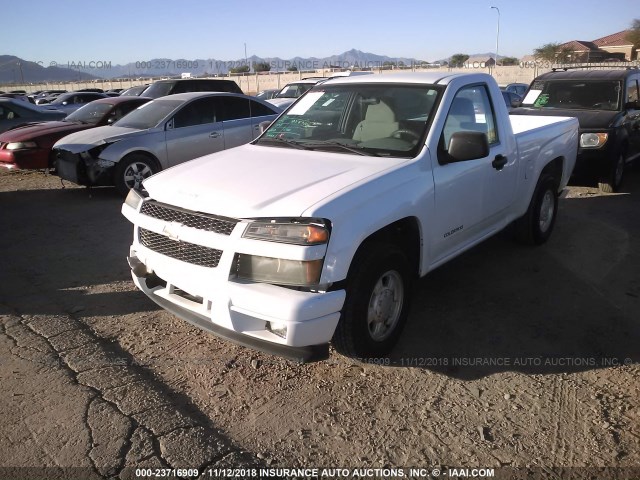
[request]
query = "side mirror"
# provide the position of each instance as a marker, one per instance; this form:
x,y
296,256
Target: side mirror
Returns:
x,y
111,120
515,103
467,146
262,126
169,125
65,103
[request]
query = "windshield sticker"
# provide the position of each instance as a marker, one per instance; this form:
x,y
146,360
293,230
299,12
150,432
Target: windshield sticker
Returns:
x,y
305,103
542,100
531,97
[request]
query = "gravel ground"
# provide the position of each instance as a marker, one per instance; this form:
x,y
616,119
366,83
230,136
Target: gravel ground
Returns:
x,y
512,356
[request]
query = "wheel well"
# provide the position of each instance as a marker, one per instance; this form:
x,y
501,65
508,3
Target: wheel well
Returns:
x,y
144,154
405,234
555,169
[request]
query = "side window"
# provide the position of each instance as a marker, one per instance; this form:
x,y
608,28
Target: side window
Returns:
x,y
471,111
632,90
122,110
6,114
260,110
198,112
236,108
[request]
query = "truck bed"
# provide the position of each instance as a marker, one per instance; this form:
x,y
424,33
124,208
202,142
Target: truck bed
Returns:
x,y
522,123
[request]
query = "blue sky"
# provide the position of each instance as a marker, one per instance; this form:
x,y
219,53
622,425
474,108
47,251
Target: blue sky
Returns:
x,y
121,32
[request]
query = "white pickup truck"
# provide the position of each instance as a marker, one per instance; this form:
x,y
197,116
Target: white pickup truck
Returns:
x,y
316,231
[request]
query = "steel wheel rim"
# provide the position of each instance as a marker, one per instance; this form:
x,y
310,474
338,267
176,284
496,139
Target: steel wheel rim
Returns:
x,y
135,173
385,306
547,210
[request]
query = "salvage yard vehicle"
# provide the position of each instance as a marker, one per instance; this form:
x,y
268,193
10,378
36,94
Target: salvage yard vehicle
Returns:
x,y
317,230
158,135
70,102
605,102
15,113
30,146
171,87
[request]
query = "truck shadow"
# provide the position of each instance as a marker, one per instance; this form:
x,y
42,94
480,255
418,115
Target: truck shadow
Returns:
x,y
570,305
63,250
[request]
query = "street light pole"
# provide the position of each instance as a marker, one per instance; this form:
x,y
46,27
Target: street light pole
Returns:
x,y
497,33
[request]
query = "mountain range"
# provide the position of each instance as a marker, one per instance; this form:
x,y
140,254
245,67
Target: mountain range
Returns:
x,y
17,70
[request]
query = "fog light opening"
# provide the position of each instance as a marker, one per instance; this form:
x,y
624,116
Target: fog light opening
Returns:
x,y
277,328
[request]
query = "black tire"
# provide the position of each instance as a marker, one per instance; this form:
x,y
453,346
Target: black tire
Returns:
x,y
377,303
132,170
612,182
535,226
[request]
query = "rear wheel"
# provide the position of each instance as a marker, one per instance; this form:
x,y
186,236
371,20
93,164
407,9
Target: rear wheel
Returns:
x,y
535,226
132,170
613,181
377,303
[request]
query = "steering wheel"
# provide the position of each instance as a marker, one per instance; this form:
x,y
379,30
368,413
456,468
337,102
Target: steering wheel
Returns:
x,y
404,131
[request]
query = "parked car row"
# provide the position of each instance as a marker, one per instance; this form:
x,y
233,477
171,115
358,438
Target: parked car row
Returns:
x,y
29,147
123,140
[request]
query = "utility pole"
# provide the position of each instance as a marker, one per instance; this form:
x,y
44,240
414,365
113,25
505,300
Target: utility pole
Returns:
x,y
497,33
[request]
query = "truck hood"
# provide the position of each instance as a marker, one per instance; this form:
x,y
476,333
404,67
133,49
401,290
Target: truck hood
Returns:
x,y
87,139
259,181
35,130
587,118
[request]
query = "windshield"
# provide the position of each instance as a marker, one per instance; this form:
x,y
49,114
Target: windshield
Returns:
x,y
159,89
294,90
148,115
91,113
134,91
61,98
575,94
374,119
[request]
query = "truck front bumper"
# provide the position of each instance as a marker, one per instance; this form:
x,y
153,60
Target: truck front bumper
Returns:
x,y
247,313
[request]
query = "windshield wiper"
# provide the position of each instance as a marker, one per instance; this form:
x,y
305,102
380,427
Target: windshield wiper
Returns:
x,y
330,143
291,143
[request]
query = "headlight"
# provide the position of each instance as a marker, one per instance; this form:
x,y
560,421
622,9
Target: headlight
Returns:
x,y
297,231
593,140
21,145
277,270
134,199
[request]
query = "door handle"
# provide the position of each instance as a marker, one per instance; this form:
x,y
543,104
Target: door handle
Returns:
x,y
214,135
499,162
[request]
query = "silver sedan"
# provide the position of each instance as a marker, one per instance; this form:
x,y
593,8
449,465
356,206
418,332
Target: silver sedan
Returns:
x,y
158,135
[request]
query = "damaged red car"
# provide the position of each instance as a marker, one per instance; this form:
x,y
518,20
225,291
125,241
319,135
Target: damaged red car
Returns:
x,y
29,147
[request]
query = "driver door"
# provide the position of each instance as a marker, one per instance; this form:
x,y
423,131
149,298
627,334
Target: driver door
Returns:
x,y
194,131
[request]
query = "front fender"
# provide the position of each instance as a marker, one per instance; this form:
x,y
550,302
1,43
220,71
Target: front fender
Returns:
x,y
368,208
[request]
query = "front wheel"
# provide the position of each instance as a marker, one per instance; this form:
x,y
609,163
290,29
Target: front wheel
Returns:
x,y
613,181
377,302
131,171
535,226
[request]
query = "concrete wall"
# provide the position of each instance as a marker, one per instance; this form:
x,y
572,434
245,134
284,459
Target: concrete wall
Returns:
x,y
253,83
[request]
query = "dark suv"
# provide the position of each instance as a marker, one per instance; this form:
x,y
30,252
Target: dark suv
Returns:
x,y
169,87
605,102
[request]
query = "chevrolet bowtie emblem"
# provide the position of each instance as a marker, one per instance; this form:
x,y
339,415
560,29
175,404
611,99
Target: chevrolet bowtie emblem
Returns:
x,y
171,230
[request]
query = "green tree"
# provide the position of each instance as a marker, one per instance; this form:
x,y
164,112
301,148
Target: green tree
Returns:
x,y
552,52
507,61
458,59
261,67
241,69
633,35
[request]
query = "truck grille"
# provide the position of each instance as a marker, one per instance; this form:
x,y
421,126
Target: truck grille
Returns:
x,y
184,251
201,221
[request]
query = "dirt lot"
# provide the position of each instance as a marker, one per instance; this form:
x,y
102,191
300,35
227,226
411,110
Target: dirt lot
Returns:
x,y
512,356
